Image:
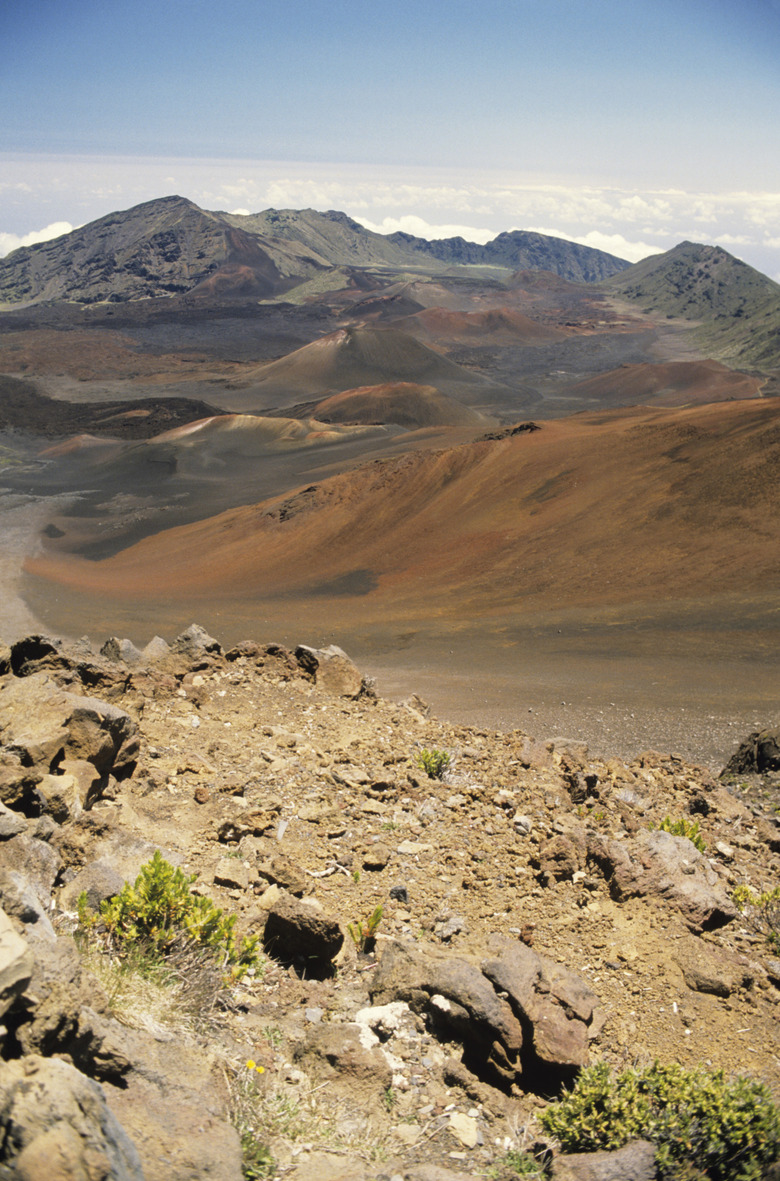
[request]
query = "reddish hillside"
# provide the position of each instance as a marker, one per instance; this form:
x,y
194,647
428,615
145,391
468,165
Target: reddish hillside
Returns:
x,y
353,357
496,326
400,402
615,508
677,383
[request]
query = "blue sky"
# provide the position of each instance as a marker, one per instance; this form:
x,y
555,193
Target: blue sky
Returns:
x,y
624,124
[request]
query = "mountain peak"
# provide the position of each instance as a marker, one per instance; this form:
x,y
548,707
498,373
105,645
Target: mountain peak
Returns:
x,y
722,293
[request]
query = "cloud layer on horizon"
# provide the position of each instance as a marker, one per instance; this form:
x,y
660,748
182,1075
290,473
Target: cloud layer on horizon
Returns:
x,y
473,204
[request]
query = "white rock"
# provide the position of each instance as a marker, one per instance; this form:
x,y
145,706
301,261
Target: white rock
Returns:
x,y
465,1129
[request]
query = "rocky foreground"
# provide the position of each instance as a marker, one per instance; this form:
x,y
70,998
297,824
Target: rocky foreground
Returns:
x,y
535,918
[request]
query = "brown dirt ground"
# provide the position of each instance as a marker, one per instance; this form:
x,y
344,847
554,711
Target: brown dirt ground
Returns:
x,y
245,736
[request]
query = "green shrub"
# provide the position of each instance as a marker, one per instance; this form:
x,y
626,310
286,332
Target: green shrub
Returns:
x,y
696,1118
435,763
684,828
159,913
762,912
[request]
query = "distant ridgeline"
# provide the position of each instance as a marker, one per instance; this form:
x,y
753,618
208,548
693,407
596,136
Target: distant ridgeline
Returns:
x,y
170,247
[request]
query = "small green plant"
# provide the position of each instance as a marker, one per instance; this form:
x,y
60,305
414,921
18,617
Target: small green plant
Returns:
x,y
683,828
762,912
273,1035
256,1159
388,1098
696,1118
435,763
159,914
516,1162
363,932
253,1118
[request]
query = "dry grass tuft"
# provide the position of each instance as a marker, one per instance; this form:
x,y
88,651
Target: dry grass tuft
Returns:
x,y
180,996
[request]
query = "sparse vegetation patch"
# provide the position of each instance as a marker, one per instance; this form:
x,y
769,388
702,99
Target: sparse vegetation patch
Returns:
x,y
684,828
159,915
727,1130
435,763
762,912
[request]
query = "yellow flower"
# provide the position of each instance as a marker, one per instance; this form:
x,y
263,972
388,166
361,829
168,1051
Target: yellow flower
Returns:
x,y
250,1065
260,1069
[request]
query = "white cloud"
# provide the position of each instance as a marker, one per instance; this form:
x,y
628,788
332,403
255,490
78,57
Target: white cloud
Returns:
x,y
734,240
9,242
411,224
612,243
241,212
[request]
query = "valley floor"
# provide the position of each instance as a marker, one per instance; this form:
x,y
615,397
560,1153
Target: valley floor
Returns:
x,y
692,678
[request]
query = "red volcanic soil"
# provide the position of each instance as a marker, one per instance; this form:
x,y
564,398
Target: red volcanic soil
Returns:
x,y
677,383
353,357
496,326
403,403
643,505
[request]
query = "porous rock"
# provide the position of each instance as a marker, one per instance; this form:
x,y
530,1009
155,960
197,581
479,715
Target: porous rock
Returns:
x,y
98,880
44,724
657,864
121,651
55,1124
36,860
520,1015
331,670
195,643
556,1006
16,964
19,901
231,873
156,651
561,856
707,969
11,823
18,784
30,652
282,871
635,1161
458,996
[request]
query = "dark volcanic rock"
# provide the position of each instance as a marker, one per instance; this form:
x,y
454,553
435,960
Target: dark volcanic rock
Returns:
x,y
759,752
301,931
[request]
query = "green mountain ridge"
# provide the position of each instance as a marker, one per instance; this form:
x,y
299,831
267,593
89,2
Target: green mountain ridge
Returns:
x,y
736,308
